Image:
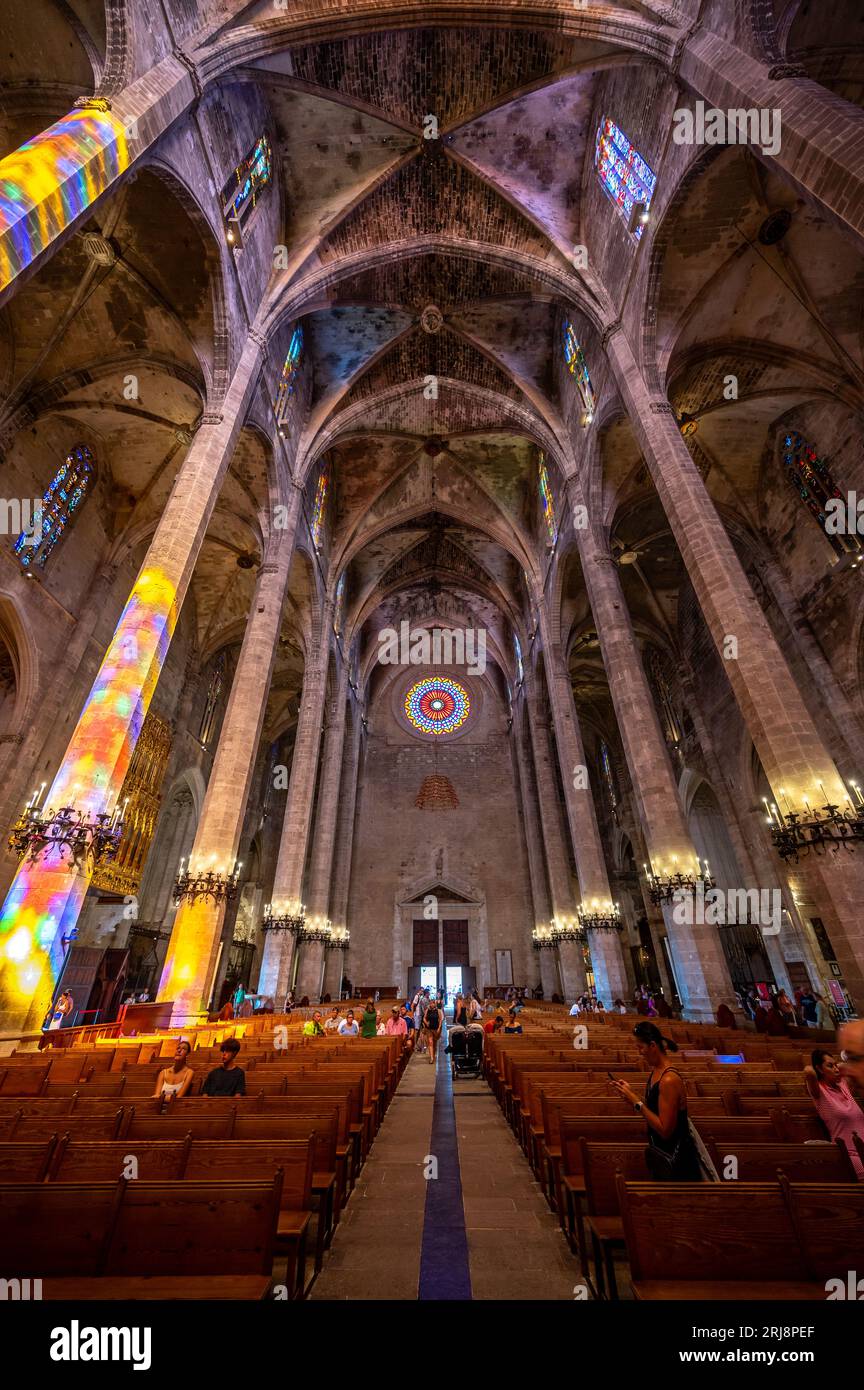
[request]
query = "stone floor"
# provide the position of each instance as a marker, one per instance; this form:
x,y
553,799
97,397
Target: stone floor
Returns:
x,y
515,1248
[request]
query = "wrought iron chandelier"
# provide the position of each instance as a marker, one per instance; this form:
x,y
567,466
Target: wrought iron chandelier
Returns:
x,y
72,832
817,828
209,883
286,917
602,916
664,885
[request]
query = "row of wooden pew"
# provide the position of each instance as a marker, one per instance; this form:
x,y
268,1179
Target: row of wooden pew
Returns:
x,y
770,1149
194,1198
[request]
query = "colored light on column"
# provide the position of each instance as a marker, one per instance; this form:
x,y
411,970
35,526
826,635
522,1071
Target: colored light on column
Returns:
x,y
52,179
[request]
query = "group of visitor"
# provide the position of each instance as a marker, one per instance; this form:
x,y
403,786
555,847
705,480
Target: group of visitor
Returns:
x,y
175,1082
773,1012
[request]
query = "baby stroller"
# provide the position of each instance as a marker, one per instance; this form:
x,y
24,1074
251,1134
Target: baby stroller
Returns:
x,y
466,1050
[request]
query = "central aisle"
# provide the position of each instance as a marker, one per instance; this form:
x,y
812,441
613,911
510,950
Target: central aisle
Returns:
x,y
446,1206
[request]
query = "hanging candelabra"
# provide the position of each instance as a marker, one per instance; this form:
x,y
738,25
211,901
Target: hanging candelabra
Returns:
x,y
796,832
68,830
317,929
206,883
663,885
339,938
284,917
603,916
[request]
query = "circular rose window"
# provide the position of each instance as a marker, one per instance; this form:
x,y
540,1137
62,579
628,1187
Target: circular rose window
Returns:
x,y
437,705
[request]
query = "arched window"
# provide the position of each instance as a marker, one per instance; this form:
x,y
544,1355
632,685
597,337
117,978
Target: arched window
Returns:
x,y
66,495
290,369
546,499
240,194
608,775
624,175
815,484
319,506
578,367
520,670
208,717
339,605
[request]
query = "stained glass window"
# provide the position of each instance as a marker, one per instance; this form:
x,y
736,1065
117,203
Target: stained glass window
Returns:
x,y
520,671
64,497
319,507
290,368
437,705
339,604
606,764
208,717
814,482
240,194
578,367
624,175
546,499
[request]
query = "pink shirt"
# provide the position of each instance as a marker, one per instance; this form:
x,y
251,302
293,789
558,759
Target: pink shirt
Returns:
x,y
842,1116
395,1025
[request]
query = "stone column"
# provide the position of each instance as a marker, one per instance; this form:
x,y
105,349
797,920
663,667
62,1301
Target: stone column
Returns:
x,y
45,898
606,958
533,839
311,971
547,957
793,753
703,978
187,976
557,861
334,964
277,960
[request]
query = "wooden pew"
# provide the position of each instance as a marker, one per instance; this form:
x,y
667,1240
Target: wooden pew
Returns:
x,y
799,1162
26,1162
715,1241
248,1160
829,1224
602,1165
77,1160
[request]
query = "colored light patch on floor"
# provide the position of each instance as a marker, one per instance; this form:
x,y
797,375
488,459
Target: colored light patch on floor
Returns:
x,y
52,179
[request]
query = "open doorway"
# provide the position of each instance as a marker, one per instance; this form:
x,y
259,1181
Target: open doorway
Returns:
x,y
429,978
452,983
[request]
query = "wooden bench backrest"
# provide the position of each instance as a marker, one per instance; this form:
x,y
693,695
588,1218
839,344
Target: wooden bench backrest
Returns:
x,y
800,1162
748,1129
601,1165
53,1229
763,1105
24,1081
81,1161
321,1125
106,1125
194,1228
257,1160
598,1130
829,1223
715,1231
177,1127
32,1105
25,1162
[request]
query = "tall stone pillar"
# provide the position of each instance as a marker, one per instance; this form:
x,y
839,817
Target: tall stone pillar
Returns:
x,y
45,898
279,947
533,837
557,861
606,958
797,763
703,979
311,971
334,963
187,976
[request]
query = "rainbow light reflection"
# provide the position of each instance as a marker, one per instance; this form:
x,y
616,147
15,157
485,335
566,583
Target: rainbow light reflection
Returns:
x,y
46,895
52,179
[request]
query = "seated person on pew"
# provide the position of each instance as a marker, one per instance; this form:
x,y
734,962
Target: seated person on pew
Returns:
x,y
395,1024
672,1155
495,1025
173,1082
407,1015
512,1025
835,1104
850,1037
313,1027
349,1027
229,1079
332,1023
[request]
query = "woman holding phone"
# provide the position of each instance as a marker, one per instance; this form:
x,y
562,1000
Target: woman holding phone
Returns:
x,y
672,1155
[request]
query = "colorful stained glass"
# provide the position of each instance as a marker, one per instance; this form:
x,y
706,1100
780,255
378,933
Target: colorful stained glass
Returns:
x,y
624,175
339,605
606,763
290,368
520,670
546,499
65,495
578,367
437,705
814,482
240,194
319,506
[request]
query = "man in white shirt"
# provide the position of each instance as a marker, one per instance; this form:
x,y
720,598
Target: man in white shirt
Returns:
x,y
332,1023
575,1010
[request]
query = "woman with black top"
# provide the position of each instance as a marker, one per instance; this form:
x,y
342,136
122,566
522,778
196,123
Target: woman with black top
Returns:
x,y
671,1155
432,1019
